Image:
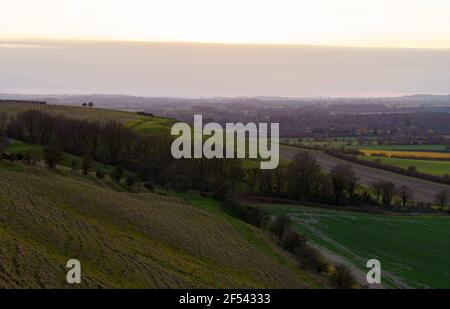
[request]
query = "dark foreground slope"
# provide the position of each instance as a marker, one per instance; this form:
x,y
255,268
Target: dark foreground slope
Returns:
x,y
125,239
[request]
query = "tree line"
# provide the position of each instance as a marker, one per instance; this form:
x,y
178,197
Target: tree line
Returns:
x,y
148,155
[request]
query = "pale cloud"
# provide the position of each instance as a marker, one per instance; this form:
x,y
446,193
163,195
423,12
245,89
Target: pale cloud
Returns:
x,y
379,23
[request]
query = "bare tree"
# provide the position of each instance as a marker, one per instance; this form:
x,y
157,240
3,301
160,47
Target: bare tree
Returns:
x,y
406,194
343,179
387,193
376,188
302,175
52,156
3,122
442,198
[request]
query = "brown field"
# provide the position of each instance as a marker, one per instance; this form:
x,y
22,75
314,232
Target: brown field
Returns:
x,y
126,239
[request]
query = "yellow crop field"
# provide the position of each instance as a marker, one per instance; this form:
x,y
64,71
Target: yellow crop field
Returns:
x,y
407,154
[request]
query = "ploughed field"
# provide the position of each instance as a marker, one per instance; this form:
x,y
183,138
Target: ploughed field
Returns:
x,y
125,239
413,250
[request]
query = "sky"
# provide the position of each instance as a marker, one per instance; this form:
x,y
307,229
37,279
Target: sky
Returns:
x,y
293,48
374,23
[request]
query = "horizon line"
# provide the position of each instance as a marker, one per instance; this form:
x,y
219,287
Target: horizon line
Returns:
x,y
237,43
392,96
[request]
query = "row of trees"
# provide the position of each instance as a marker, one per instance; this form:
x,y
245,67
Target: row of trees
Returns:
x,y
303,180
109,142
147,155
308,257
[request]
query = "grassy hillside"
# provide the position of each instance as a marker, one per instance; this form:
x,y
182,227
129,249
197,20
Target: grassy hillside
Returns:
x,y
19,147
139,123
135,122
126,239
414,249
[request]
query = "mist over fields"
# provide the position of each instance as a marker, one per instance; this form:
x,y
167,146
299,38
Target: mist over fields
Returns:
x,y
190,69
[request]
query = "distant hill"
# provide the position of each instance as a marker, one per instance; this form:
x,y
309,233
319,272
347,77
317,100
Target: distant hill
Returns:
x,y
426,97
134,120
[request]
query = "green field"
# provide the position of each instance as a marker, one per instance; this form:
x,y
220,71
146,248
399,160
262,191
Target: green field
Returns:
x,y
438,167
17,146
425,148
338,142
415,249
150,124
353,143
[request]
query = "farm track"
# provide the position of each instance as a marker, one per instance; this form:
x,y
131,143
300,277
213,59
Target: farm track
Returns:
x,y
423,190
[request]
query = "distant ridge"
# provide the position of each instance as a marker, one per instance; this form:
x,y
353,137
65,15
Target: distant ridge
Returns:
x,y
434,97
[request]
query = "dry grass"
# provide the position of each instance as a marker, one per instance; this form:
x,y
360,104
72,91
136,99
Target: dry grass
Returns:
x,y
123,239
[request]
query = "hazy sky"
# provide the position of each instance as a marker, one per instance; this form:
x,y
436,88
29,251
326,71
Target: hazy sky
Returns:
x,y
381,23
187,69
35,55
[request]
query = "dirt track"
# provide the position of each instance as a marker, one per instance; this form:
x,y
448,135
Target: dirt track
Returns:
x,y
423,190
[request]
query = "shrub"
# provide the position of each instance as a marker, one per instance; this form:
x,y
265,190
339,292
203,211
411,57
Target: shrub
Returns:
x,y
291,239
87,164
279,225
73,165
310,259
52,156
130,180
149,186
99,174
117,173
253,215
411,170
342,278
31,158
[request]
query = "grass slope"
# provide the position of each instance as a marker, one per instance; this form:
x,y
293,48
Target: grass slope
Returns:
x,y
125,239
16,147
413,248
139,123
